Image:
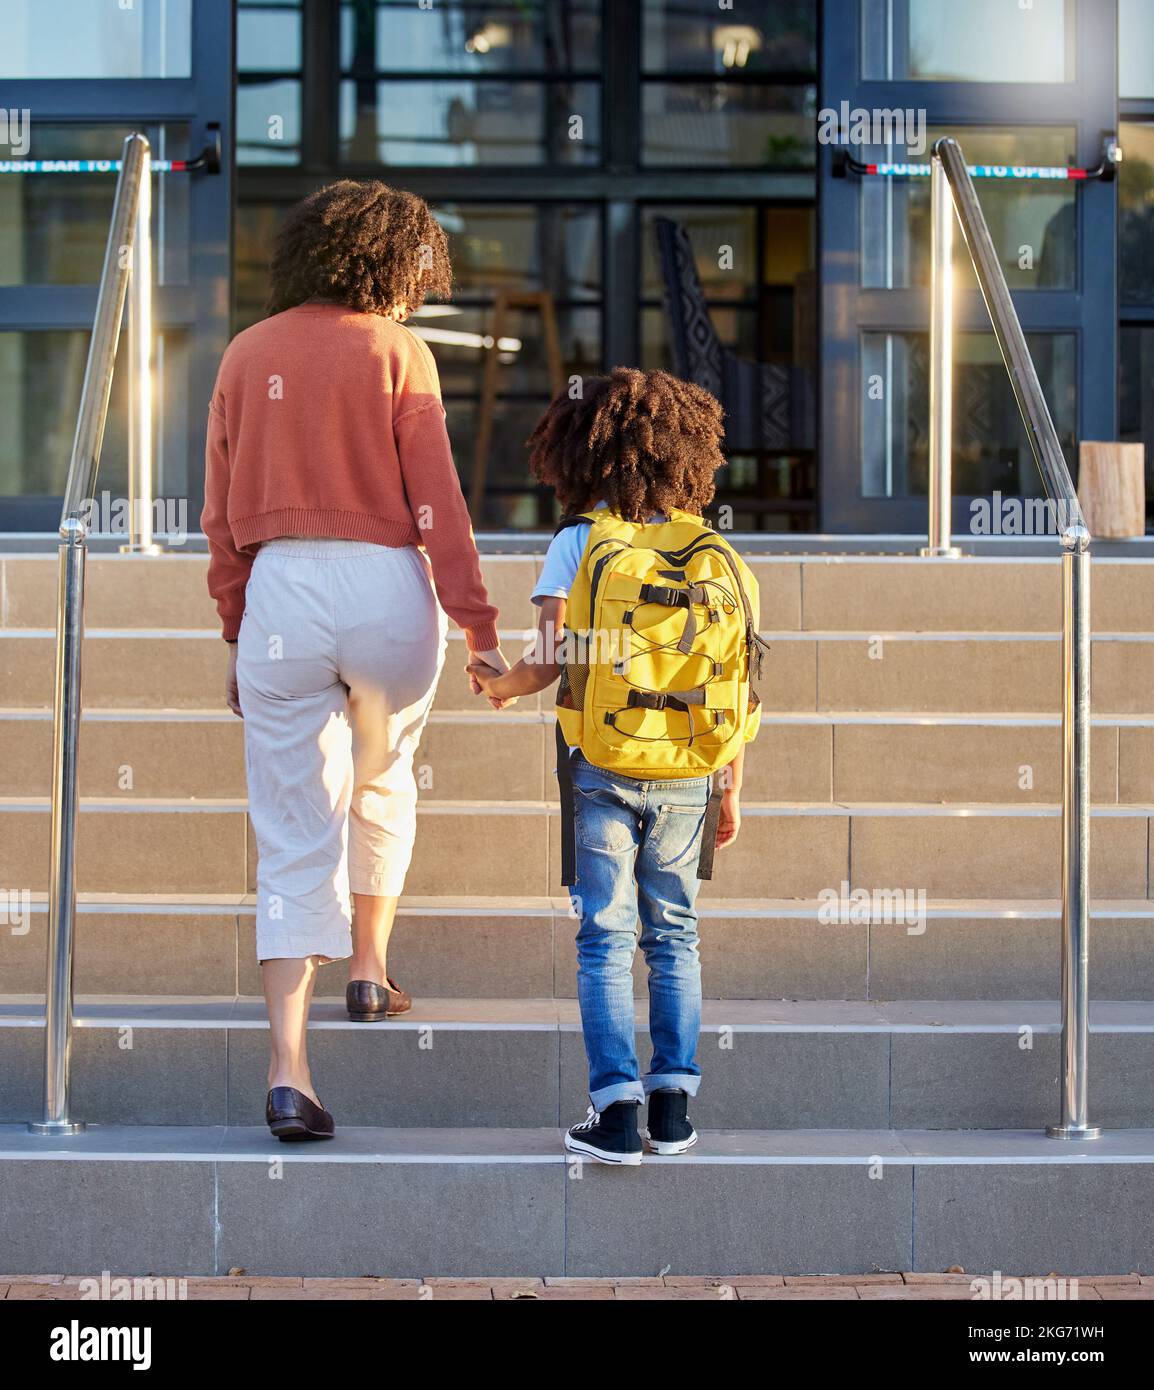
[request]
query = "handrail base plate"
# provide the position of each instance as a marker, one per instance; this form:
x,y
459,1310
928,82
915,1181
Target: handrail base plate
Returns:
x,y
1073,1132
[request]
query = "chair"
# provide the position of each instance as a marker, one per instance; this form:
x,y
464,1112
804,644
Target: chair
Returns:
x,y
768,408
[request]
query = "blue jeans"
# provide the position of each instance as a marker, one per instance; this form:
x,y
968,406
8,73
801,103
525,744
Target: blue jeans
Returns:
x,y
637,853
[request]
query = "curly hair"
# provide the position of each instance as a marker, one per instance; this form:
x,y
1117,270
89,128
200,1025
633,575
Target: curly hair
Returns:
x,y
641,442
362,244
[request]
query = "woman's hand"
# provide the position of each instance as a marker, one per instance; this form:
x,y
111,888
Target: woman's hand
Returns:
x,y
729,819
231,692
484,667
481,678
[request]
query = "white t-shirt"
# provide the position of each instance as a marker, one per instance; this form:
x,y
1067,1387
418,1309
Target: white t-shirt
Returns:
x,y
563,559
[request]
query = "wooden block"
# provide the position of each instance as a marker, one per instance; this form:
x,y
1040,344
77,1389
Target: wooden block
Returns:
x,y
1112,488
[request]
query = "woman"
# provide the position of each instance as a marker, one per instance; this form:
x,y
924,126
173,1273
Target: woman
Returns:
x,y
328,464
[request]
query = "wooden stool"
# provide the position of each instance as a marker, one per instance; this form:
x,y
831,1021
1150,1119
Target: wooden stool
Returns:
x,y
507,300
1112,488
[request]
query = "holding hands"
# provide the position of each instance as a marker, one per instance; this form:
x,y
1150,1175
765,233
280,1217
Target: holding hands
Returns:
x,y
483,669
490,674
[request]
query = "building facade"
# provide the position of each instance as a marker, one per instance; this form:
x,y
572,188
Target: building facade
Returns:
x,y
551,136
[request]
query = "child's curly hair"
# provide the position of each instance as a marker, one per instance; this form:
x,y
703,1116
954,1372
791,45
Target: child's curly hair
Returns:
x,y
641,442
362,244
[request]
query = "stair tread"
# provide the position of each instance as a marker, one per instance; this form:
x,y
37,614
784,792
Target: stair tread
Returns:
x,y
481,906
360,1145
776,718
549,1015
535,806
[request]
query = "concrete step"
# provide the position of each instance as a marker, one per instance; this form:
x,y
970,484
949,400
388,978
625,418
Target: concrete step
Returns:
x,y
171,591
500,947
510,1202
800,592
786,850
871,669
449,1063
510,755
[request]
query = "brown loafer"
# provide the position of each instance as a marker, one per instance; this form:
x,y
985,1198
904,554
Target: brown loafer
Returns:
x,y
369,1003
291,1115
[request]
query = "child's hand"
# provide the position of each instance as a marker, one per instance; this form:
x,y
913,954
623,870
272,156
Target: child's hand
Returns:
x,y
481,677
729,820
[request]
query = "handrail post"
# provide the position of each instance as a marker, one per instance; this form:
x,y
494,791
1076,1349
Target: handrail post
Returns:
x,y
67,705
141,540
1075,835
65,800
941,495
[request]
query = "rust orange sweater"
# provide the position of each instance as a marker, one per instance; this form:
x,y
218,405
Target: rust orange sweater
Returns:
x,y
328,422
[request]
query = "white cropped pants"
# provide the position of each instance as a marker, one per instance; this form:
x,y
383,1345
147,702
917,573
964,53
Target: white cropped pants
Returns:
x,y
340,650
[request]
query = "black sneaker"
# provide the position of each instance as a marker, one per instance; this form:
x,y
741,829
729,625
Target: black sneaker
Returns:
x,y
669,1130
610,1137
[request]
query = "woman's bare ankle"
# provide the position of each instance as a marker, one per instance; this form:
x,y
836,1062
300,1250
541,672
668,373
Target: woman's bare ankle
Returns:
x,y
298,1080
371,969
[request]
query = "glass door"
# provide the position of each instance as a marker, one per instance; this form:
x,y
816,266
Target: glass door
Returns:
x,y
75,78
1016,85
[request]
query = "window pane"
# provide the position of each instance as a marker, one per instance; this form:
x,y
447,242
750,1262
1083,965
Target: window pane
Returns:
x,y
1033,223
724,241
737,329
268,121
1136,215
980,41
697,125
462,36
53,227
1135,48
749,36
40,378
469,123
553,247
513,499
268,36
774,283
1136,393
256,225
458,336
82,38
990,449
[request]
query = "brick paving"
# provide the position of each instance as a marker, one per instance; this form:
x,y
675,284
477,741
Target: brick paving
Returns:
x,y
673,1287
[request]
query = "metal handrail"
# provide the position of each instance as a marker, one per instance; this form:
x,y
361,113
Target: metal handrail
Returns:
x,y
952,192
1008,330
125,257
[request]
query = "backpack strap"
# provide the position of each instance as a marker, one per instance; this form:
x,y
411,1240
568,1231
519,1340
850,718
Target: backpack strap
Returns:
x,y
709,830
577,519
568,829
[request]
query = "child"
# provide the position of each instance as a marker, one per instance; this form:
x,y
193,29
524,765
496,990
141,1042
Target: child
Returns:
x,y
641,448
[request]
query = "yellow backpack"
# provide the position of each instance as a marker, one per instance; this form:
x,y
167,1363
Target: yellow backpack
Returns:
x,y
661,634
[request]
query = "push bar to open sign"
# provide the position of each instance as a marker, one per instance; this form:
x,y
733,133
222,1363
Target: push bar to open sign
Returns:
x,y
208,160
845,163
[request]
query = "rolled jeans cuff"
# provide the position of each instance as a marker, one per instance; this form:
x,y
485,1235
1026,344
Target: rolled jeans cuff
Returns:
x,y
680,1081
609,1095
